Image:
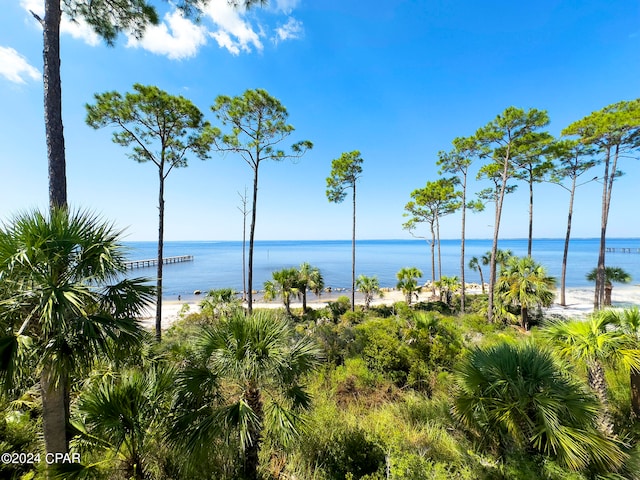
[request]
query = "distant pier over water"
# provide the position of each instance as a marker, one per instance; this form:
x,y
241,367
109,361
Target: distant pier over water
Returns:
x,y
154,261
622,249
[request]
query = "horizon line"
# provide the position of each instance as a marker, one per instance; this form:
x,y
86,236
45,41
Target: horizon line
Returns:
x,y
384,239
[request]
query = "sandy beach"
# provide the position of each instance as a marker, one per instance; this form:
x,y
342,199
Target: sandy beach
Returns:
x,y
579,303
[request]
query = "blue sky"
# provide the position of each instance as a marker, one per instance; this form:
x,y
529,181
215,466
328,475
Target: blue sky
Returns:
x,y
397,80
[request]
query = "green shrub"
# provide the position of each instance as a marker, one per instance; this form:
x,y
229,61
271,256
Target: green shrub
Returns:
x,y
339,307
436,306
334,341
348,453
379,342
353,318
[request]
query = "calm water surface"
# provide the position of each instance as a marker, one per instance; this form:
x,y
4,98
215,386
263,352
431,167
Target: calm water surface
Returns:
x,y
219,264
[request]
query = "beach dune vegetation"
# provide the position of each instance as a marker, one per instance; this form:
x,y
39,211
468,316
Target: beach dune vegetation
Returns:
x,y
369,287
408,282
310,278
523,283
284,283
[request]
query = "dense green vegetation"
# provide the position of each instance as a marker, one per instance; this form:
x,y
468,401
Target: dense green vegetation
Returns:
x,y
396,391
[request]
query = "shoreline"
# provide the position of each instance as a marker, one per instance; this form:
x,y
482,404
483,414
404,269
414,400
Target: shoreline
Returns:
x,y
579,303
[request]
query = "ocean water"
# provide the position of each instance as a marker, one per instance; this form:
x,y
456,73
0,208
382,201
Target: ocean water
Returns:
x,y
219,264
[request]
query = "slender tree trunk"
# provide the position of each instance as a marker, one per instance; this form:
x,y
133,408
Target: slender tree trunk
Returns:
x,y
600,272
252,231
439,253
608,286
481,279
353,253
565,254
54,421
492,262
251,454
635,393
530,242
596,380
53,104
304,299
160,254
462,241
244,245
433,260
496,231
287,305
524,313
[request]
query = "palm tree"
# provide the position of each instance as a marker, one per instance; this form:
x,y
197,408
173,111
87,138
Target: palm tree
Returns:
x,y
447,286
64,304
123,414
516,394
502,257
284,283
594,344
524,283
220,302
310,279
408,282
369,287
260,365
629,321
611,274
474,264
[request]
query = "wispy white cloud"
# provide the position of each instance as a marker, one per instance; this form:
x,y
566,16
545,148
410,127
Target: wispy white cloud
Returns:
x,y
233,32
233,28
78,29
15,68
287,6
289,31
177,37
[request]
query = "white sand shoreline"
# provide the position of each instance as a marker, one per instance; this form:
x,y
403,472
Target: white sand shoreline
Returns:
x,y
579,303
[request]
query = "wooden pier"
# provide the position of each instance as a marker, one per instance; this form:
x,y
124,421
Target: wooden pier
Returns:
x,y
154,261
622,250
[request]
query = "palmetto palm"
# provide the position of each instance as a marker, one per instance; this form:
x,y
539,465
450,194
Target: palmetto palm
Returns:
x,y
369,287
408,282
258,367
502,257
593,343
525,284
310,278
64,302
629,321
611,274
447,286
286,284
517,395
475,264
123,415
